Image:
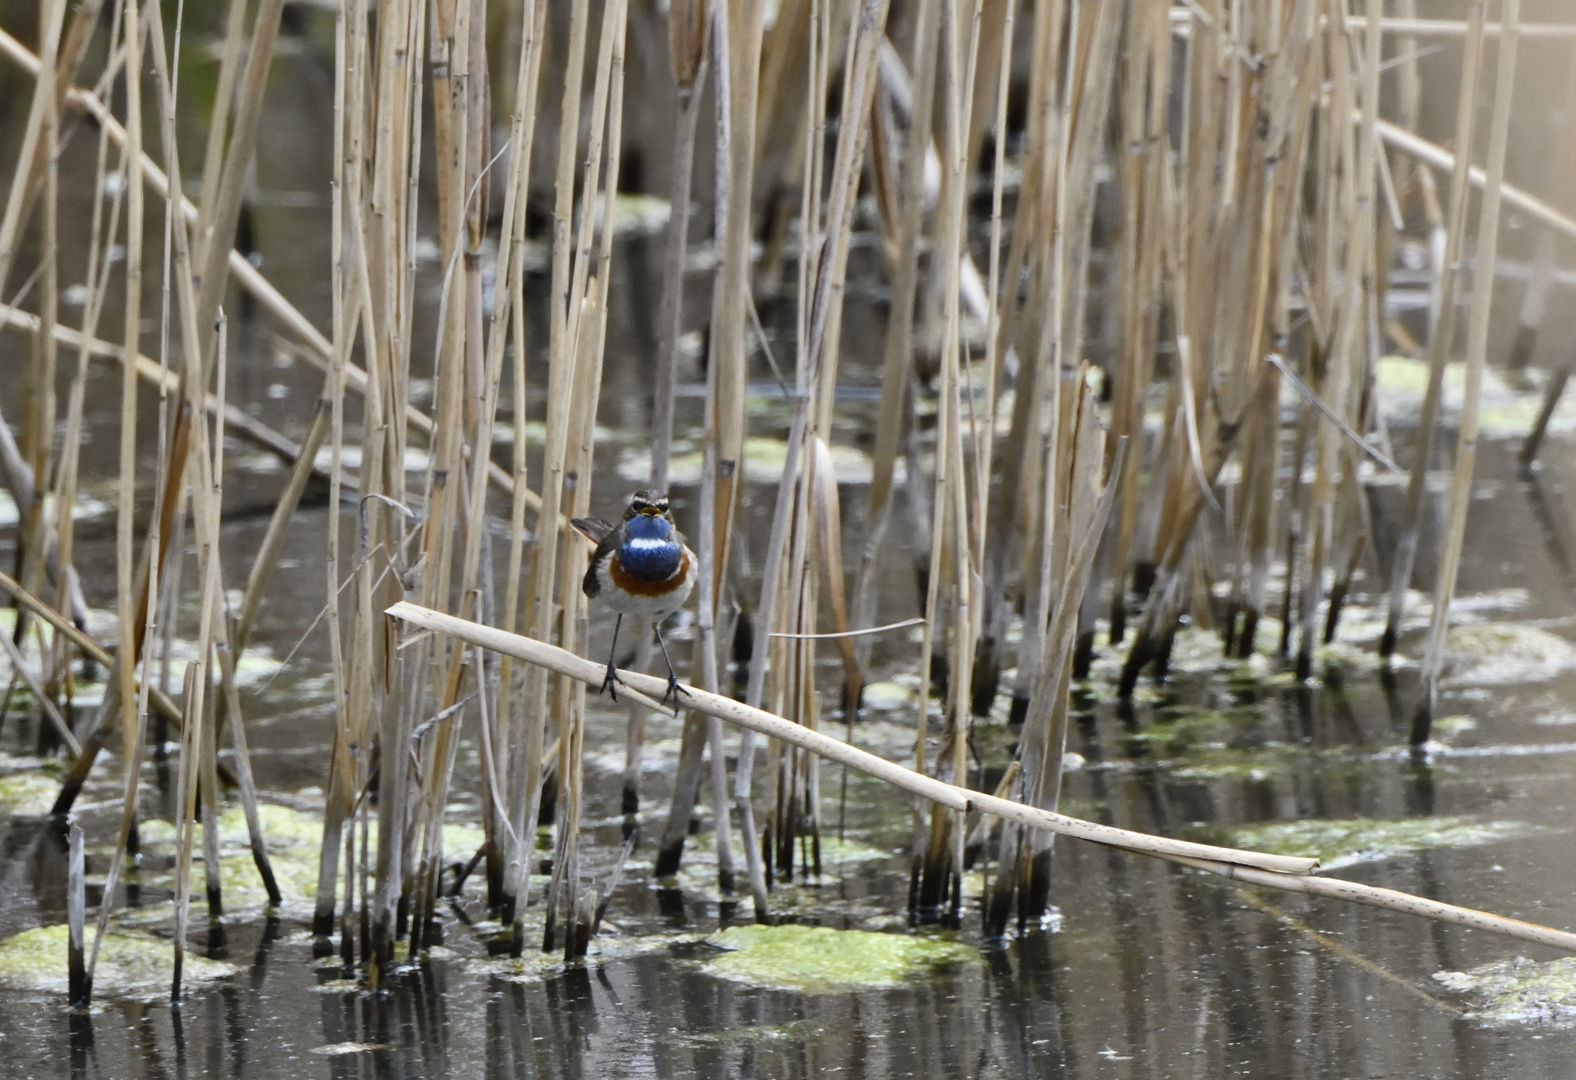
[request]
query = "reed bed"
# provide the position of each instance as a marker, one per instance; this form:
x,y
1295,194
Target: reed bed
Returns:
x,y
1223,183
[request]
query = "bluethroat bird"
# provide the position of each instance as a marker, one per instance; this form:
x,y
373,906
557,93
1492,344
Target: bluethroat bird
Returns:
x,y
641,566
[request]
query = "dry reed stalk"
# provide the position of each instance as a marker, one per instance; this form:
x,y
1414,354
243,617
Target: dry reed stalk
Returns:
x,y
1209,265
758,852
569,699
688,38
609,104
579,326
457,65
687,49
243,764
37,534
342,316
1476,359
990,72
733,712
973,522
90,648
1409,26
177,438
45,701
20,480
207,787
1275,173
133,723
740,82
48,535
518,741
894,402
279,524
1271,871
317,348
814,557
101,236
745,132
544,577
77,992
211,259
1031,331
1158,620
1044,128
185,807
219,628
36,152
995,358
207,498
1511,196
829,555
1083,510
219,119
507,313
571,770
1442,338
1139,275
897,364
382,210
589,326
243,426
483,371
789,601
954,558
790,809
1562,176
791,58
1355,198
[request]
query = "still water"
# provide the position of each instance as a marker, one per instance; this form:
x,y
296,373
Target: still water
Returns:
x,y
1148,970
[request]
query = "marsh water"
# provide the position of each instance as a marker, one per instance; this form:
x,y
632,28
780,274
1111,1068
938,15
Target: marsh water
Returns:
x,y
1146,970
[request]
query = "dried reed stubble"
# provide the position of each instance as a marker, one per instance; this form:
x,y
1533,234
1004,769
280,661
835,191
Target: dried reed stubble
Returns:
x,y
1476,358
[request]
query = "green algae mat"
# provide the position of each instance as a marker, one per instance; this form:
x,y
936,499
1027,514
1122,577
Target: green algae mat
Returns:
x,y
1345,842
818,958
129,964
1517,991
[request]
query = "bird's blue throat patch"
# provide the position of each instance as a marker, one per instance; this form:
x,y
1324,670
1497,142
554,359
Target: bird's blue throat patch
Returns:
x,y
649,550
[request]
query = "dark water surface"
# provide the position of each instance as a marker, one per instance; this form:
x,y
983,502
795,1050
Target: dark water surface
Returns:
x,y
1148,971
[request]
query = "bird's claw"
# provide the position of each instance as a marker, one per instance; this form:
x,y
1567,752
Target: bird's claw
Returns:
x,y
611,682
675,688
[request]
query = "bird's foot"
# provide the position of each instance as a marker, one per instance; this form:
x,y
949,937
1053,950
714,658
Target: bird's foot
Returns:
x,y
675,688
611,682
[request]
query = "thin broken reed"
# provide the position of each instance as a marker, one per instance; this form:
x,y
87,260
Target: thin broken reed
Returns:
x,y
1273,871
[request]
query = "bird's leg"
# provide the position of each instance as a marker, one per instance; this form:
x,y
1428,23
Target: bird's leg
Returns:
x,y
674,689
611,681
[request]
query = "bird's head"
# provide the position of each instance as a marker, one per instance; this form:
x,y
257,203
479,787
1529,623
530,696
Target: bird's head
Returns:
x,y
647,503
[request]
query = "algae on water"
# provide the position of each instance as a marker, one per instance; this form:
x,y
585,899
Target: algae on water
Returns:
x,y
1517,991
1345,842
129,965
28,794
1506,654
819,958
293,838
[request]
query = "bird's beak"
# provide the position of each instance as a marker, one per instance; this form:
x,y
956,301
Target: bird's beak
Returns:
x,y
651,511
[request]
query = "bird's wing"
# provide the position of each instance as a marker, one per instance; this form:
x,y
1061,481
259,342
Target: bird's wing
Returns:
x,y
593,529
607,539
